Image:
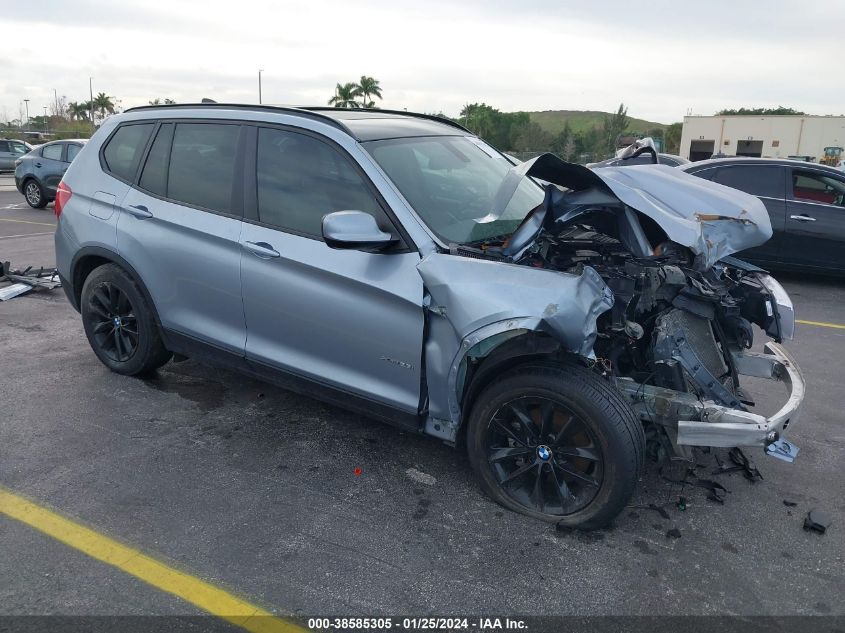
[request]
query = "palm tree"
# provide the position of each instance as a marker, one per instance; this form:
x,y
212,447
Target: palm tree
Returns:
x,y
103,103
369,86
344,96
77,111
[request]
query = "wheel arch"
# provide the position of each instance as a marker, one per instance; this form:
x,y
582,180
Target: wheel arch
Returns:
x,y
497,354
88,259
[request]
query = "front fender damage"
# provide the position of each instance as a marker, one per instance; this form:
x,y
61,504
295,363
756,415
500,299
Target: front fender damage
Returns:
x,y
475,304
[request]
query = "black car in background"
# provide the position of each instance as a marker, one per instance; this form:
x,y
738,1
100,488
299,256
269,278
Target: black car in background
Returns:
x,y
806,203
38,173
643,159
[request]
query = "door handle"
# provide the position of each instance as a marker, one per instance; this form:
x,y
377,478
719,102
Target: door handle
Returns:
x,y
38,164
262,250
802,218
139,211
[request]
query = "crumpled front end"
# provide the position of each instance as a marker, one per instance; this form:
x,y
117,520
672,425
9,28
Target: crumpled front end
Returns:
x,y
678,336
475,305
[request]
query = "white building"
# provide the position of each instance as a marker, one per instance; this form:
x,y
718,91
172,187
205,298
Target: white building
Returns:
x,y
775,136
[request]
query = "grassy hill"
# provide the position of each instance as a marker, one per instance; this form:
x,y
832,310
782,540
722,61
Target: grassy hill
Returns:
x,y
553,121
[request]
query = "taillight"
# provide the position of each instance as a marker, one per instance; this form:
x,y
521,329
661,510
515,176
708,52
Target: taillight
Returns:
x,y
63,194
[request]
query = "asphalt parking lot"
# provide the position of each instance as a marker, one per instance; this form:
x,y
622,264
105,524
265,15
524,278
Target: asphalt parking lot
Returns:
x,y
254,490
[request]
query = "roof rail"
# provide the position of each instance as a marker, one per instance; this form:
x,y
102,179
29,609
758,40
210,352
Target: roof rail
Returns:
x,y
418,115
303,112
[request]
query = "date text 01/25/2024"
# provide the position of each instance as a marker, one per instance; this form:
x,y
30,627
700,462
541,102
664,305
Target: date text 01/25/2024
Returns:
x,y
416,624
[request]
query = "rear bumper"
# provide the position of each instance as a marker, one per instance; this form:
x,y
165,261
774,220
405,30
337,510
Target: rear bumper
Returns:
x,y
704,423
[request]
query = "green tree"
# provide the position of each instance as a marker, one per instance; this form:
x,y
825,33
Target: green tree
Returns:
x,y
344,96
366,87
78,111
103,104
672,137
530,137
613,127
761,111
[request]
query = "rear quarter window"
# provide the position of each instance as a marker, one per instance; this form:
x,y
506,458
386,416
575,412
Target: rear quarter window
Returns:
x,y
123,151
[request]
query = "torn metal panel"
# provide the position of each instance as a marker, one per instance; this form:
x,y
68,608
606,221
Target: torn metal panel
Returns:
x,y
713,221
15,290
472,293
474,300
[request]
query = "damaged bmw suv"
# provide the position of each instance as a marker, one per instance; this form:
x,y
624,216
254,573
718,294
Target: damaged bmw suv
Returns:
x,y
551,319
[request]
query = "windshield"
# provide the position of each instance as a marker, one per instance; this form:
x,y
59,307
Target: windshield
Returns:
x,y
451,181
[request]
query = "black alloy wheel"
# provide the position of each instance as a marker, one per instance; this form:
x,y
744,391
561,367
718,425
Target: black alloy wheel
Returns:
x,y
113,323
543,456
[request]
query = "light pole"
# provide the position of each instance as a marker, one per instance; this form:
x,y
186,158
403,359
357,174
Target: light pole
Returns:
x,y
260,70
45,119
26,101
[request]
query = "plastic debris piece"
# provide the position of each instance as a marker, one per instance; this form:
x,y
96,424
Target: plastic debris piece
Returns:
x,y
673,533
741,460
682,503
790,504
817,521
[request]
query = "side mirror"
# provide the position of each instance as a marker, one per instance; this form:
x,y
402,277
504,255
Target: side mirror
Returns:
x,y
354,229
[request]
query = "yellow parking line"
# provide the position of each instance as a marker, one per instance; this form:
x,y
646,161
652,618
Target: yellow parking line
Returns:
x,y
199,593
25,222
835,326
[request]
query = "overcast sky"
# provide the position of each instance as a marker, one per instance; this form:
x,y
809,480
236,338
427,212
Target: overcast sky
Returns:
x,y
662,58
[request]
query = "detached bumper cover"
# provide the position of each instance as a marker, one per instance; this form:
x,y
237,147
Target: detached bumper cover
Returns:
x,y
703,423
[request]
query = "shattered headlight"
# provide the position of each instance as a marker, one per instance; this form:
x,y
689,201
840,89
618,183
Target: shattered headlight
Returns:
x,y
779,306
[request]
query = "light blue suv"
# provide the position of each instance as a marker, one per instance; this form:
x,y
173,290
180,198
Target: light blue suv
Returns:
x,y
545,317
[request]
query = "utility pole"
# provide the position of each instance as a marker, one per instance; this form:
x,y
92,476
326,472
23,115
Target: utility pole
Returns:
x,y
45,119
91,103
26,101
260,70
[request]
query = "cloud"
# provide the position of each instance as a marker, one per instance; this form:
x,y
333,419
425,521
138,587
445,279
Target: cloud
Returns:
x,y
661,59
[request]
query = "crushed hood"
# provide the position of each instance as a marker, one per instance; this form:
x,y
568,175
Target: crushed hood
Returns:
x,y
713,221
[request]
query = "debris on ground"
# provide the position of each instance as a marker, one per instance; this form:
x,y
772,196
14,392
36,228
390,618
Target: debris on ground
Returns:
x,y
673,533
741,462
421,477
790,504
682,503
22,281
817,521
716,490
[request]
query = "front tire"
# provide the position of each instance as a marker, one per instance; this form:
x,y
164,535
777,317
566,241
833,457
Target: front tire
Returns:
x,y
34,194
120,324
557,443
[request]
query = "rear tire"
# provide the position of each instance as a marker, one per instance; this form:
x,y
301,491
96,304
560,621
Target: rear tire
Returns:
x,y
557,443
34,194
120,323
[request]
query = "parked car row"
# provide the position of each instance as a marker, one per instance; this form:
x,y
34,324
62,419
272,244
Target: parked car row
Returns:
x,y
38,173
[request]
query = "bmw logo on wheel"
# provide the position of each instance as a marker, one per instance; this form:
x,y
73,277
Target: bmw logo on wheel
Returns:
x,y
544,453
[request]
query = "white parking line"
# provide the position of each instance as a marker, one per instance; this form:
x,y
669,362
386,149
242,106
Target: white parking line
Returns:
x,y
8,237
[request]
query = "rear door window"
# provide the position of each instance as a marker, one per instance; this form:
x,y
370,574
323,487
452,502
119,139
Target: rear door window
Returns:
x,y
4,146
202,165
124,150
53,152
758,180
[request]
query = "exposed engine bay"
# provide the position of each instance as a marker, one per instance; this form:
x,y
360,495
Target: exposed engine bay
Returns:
x,y
659,298
681,320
